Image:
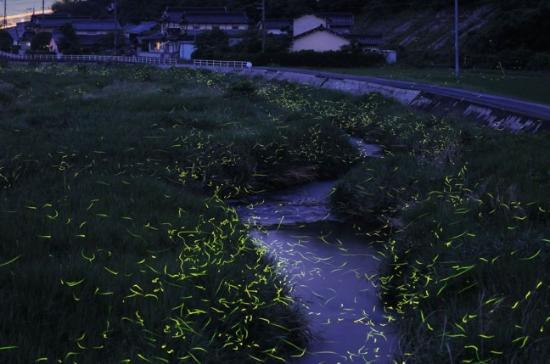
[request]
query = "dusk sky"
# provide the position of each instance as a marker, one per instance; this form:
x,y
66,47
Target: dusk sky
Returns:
x,y
24,6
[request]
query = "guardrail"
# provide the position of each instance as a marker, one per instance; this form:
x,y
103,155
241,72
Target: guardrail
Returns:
x,y
50,58
209,63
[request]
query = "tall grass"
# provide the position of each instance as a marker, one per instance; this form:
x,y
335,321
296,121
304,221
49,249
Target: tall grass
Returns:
x,y
466,214
116,243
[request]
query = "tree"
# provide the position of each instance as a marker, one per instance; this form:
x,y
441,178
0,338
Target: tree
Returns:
x,y
69,43
6,42
41,41
211,43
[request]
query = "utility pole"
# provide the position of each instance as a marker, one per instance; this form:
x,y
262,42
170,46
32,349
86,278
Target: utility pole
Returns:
x,y
5,21
116,26
43,8
457,43
264,30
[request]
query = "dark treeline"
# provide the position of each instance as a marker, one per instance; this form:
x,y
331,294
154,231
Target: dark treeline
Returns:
x,y
133,10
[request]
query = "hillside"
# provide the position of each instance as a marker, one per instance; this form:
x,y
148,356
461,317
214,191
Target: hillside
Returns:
x,y
506,34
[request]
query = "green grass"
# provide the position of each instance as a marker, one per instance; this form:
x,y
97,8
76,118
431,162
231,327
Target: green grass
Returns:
x,y
531,86
116,243
463,217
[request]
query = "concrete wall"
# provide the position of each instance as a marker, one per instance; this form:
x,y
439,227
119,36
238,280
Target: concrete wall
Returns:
x,y
307,23
319,41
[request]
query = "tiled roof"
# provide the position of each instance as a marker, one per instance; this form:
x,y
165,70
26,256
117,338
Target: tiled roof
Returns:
x,y
79,23
141,27
216,18
277,23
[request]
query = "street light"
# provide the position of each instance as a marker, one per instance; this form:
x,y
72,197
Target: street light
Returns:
x,y
457,42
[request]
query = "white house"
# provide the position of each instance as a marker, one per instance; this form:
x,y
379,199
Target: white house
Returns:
x,y
319,40
341,23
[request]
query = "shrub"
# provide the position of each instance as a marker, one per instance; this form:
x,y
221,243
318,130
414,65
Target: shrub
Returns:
x,y
242,88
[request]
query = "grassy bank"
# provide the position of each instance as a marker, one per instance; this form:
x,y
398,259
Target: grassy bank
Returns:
x,y
531,86
461,214
464,216
116,244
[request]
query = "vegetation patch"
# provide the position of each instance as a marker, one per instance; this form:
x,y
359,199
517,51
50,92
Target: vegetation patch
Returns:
x,y
463,213
116,243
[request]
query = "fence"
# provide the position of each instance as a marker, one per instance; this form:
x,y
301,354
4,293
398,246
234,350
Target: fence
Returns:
x,y
221,64
50,58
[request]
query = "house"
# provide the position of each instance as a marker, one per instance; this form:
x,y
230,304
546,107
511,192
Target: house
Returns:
x,y
179,28
341,23
277,27
326,32
91,34
319,39
193,21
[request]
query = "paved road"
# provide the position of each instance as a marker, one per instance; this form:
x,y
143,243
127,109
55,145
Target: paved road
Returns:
x,y
526,108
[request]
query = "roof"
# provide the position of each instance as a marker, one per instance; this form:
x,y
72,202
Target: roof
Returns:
x,y
216,18
12,31
78,23
362,39
175,14
52,21
320,28
83,40
95,25
140,28
277,23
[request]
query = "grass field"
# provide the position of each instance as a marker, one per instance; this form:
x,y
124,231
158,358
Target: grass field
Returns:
x,y
117,246
531,86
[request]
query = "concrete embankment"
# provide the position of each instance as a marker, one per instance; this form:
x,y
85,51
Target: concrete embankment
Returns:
x,y
514,116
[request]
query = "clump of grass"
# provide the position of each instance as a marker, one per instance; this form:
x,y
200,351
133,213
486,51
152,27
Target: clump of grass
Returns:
x,y
242,88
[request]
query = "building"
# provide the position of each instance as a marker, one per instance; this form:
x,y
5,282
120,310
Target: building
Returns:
x,y
277,27
340,23
91,34
330,32
319,39
179,28
194,21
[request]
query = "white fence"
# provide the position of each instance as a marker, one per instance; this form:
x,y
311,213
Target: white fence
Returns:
x,y
86,59
208,63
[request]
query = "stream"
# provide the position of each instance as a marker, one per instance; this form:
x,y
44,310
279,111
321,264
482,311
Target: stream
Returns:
x,y
329,268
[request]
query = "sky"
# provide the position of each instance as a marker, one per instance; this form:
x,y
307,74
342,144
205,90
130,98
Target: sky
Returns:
x,y
24,6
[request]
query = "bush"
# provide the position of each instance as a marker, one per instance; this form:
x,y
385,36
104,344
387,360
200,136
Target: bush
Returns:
x,y
242,88
41,41
6,42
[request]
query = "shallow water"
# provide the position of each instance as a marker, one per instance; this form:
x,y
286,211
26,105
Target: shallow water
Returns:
x,y
330,269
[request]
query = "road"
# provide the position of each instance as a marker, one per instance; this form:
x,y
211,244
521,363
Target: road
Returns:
x,y
517,106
